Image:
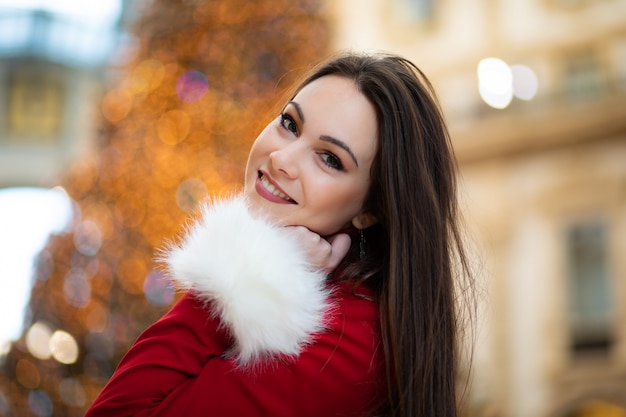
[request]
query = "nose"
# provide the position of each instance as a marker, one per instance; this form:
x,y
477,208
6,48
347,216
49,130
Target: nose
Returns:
x,y
285,161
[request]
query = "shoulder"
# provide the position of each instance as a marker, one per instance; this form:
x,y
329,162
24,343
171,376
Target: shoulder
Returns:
x,y
353,327
342,364
356,301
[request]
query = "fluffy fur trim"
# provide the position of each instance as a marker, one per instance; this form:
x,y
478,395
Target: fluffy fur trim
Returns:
x,y
255,277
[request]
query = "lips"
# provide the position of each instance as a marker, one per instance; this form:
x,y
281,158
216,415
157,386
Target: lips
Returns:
x,y
270,191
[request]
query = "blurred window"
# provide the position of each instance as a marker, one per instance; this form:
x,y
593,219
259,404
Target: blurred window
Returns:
x,y
590,304
574,3
34,106
422,10
583,76
618,55
568,3
43,34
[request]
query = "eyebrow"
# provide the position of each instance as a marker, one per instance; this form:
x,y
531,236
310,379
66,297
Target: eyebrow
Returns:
x,y
339,143
325,138
298,109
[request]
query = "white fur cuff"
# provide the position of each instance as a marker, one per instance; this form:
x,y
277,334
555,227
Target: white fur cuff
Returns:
x,y
256,277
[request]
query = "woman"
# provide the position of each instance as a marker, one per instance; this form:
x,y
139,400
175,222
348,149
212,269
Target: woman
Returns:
x,y
327,288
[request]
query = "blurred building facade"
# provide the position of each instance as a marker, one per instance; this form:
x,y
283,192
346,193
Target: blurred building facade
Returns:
x,y
543,187
52,75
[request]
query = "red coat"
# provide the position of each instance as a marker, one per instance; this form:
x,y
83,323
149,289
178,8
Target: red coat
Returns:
x,y
248,343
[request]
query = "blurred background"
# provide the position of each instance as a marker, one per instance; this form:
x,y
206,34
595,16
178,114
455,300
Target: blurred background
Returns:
x,y
118,116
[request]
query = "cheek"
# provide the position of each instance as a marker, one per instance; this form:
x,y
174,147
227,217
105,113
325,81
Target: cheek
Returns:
x,y
356,199
258,150
348,201
262,141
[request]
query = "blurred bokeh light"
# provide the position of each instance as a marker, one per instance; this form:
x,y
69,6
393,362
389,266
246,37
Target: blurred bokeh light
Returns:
x,y
191,86
173,118
499,82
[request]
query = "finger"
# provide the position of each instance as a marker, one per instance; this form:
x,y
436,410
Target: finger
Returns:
x,y
304,236
315,248
340,244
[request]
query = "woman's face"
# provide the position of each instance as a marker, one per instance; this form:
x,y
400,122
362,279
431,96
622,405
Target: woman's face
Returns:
x,y
311,166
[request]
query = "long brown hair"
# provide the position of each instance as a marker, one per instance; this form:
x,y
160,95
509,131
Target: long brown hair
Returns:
x,y
416,251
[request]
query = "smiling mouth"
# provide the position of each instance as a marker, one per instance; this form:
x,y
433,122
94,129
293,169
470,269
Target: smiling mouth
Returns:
x,y
269,187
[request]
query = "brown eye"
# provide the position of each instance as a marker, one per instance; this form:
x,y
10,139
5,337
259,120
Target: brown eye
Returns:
x,y
331,160
288,123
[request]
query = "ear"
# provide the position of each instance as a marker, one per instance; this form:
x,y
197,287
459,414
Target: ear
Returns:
x,y
364,220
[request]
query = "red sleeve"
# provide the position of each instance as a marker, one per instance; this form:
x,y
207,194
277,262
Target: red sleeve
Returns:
x,y
177,368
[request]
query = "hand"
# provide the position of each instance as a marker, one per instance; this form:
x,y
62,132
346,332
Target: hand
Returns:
x,y
323,254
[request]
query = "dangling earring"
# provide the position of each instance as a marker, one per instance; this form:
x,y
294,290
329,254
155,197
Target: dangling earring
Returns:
x,y
362,247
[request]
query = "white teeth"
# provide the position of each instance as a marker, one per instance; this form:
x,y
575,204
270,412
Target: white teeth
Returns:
x,y
269,187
